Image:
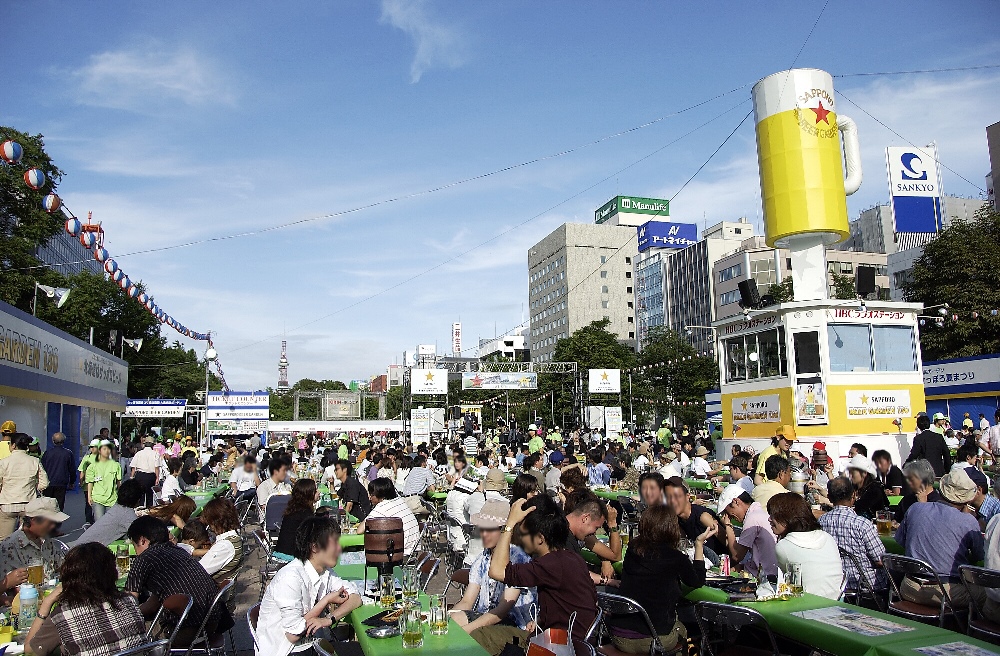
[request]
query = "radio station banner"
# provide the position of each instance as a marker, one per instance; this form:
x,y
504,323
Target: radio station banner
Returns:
x,y
428,381
757,409
605,381
865,404
235,426
914,188
500,381
420,425
149,408
613,422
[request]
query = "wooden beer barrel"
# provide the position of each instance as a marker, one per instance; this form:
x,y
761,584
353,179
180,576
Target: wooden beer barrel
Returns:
x,y
384,540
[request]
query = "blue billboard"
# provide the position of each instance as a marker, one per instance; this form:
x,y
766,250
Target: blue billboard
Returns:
x,y
666,234
914,189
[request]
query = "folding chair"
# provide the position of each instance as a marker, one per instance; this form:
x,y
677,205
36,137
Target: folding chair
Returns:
x,y
980,577
274,510
214,644
921,572
612,605
427,569
253,614
178,605
721,624
271,564
459,577
158,648
866,587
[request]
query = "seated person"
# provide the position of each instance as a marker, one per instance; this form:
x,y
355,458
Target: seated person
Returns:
x,y
652,489
300,507
693,518
889,476
386,503
585,514
171,486
652,574
113,524
297,598
86,613
490,612
33,543
195,539
855,535
802,540
778,474
161,569
223,559
919,476
753,550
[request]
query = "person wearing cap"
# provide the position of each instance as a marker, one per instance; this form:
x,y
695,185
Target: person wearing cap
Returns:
x,y
103,477
929,445
7,429
753,550
556,463
22,477
32,544
535,441
491,488
945,537
663,434
491,612
700,467
146,469
778,474
780,445
641,460
555,437
59,464
669,464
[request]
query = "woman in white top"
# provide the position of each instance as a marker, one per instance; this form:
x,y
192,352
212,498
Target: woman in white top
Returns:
x,y
803,542
171,486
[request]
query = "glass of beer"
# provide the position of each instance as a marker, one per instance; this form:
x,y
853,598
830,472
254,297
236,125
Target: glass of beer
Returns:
x,y
36,573
122,560
387,584
439,615
412,628
623,533
411,584
795,577
883,520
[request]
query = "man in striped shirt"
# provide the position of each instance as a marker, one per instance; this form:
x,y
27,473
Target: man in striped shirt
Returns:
x,y
471,445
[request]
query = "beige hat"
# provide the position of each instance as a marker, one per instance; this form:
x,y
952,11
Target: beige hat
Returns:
x,y
492,515
669,455
701,451
644,448
46,508
957,487
495,481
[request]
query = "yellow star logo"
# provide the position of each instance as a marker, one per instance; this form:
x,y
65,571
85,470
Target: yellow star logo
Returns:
x,y
430,377
604,375
864,399
744,404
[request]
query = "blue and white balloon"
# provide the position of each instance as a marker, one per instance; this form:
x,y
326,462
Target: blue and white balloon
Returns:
x,y
74,226
11,152
34,178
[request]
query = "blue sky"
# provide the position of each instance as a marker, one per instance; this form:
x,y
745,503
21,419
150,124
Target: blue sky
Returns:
x,y
185,121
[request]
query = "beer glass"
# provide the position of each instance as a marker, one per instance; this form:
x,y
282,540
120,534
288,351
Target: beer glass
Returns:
x,y
439,615
36,573
122,560
411,627
387,584
411,584
883,520
794,578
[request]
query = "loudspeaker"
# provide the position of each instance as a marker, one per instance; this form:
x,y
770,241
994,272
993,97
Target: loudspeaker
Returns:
x,y
749,296
865,280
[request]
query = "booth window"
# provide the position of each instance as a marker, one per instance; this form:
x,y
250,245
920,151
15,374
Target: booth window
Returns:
x,y
806,352
894,349
865,347
757,355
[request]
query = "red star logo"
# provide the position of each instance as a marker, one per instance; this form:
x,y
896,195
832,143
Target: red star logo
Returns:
x,y
476,381
821,113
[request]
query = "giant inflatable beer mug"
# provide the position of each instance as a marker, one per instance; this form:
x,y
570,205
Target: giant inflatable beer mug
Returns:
x,y
803,187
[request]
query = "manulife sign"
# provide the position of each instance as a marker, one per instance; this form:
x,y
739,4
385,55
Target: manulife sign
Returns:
x,y
631,210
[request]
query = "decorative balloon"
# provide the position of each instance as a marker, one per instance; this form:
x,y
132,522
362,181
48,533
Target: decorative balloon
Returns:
x,y
117,275
142,298
133,291
34,179
88,239
101,254
11,152
51,203
73,226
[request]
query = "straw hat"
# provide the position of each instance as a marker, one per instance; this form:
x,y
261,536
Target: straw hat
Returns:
x,y
492,515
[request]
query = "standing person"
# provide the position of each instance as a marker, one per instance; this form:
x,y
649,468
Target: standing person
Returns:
x,y
297,598
59,464
801,540
535,441
754,548
21,479
929,445
652,574
146,469
93,617
559,575
7,429
352,493
128,449
102,480
87,460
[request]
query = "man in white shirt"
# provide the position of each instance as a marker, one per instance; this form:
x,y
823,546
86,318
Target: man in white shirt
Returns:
x,y
146,470
642,460
682,457
244,480
386,503
171,486
275,484
669,465
296,599
700,466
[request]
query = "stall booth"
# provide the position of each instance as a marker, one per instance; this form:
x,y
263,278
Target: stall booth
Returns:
x,y
53,382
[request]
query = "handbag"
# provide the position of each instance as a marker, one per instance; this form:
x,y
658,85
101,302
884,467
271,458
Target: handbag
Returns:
x,y
553,641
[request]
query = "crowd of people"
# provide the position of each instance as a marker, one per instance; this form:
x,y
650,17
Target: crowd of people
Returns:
x,y
538,549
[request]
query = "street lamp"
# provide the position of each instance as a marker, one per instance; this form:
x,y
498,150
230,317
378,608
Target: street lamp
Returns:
x,y
210,357
59,293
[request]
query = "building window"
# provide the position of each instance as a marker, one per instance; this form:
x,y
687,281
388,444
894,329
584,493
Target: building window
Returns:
x,y
729,297
631,335
757,355
628,260
604,289
628,290
604,259
630,304
604,305
850,347
762,271
604,274
631,319
628,274
729,273
868,347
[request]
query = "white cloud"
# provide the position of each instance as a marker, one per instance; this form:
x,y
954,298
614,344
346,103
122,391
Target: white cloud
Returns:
x,y
142,79
437,44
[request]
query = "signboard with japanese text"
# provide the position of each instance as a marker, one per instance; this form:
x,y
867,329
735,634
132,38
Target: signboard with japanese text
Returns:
x,y
866,404
977,374
237,413
604,381
149,408
756,409
428,381
613,422
666,234
499,380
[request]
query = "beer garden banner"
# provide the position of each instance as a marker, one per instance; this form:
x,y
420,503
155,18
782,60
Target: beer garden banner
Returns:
x,y
500,380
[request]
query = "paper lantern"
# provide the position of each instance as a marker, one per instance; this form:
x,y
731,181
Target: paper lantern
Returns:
x,y
142,297
101,254
133,290
111,267
88,239
11,152
117,275
73,226
51,203
34,179
125,283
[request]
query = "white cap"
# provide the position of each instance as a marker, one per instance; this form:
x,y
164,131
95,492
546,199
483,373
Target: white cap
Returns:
x,y
863,463
729,494
532,427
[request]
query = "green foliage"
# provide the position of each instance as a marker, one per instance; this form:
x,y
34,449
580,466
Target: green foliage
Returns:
x,y
782,291
685,378
843,287
961,268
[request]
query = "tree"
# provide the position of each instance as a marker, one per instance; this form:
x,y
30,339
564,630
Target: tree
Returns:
x,y
961,268
675,376
844,287
782,292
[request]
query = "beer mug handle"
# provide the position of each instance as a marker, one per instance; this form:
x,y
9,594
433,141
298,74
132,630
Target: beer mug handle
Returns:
x,y
852,153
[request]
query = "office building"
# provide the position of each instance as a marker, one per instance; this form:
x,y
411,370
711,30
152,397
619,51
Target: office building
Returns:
x,y
65,255
578,274
512,345
993,178
873,231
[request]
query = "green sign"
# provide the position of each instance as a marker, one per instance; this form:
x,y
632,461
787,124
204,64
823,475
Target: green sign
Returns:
x,y
632,205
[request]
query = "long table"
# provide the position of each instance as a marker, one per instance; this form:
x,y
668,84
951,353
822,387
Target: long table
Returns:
x,y
456,641
835,640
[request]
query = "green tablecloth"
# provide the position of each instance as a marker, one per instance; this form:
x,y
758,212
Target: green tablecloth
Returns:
x,y
890,544
612,495
121,543
438,496
209,493
510,477
698,483
894,501
457,642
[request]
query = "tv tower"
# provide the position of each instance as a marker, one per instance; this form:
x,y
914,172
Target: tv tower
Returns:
x,y
283,369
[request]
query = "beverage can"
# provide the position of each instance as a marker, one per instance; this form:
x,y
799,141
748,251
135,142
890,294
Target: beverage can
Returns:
x,y
724,566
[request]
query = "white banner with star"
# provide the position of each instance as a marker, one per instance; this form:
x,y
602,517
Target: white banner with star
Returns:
x,y
428,381
865,404
762,409
605,381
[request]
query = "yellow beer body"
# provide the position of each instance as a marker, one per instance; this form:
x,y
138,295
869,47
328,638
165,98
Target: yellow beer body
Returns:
x,y
799,154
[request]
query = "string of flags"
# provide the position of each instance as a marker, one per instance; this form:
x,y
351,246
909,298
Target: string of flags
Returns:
x,y
91,237
954,317
665,363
